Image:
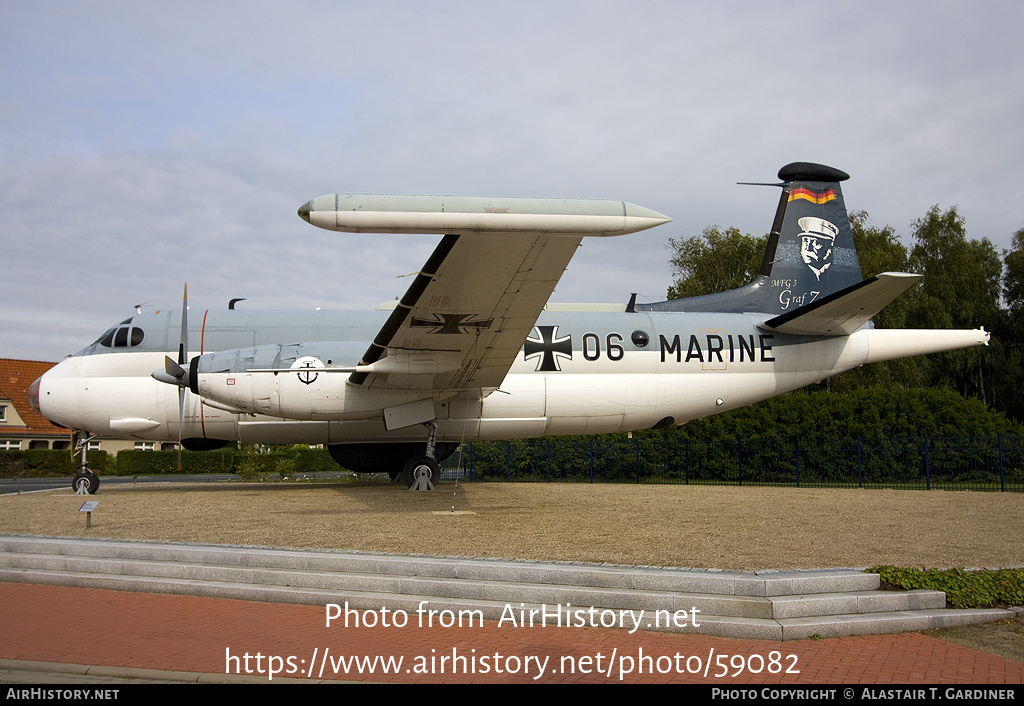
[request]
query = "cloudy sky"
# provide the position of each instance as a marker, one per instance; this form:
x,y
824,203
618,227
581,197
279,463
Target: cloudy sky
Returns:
x,y
144,145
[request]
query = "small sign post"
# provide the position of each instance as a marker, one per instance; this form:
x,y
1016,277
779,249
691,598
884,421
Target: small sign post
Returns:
x,y
87,508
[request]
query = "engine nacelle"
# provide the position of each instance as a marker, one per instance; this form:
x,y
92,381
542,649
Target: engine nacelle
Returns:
x,y
302,381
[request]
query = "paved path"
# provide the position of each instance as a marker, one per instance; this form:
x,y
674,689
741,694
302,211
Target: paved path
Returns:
x,y
199,639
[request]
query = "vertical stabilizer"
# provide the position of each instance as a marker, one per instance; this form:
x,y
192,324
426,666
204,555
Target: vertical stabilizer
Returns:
x,y
815,255
810,252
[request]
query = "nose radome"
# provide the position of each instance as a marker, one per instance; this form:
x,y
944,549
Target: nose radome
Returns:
x,y
33,395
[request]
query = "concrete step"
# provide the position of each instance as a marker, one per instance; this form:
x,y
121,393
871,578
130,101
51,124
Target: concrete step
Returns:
x,y
763,605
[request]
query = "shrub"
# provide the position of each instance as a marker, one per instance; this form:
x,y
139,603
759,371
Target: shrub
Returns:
x,y
964,589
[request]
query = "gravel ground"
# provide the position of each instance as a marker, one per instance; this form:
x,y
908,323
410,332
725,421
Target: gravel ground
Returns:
x,y
668,525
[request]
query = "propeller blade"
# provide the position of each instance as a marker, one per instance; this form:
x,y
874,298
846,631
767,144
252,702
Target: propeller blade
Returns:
x,y
183,339
174,370
181,421
179,373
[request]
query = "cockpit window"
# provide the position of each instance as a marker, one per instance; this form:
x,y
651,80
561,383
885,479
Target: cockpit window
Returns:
x,y
107,339
124,335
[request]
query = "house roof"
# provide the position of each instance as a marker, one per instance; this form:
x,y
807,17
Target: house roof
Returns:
x,y
15,378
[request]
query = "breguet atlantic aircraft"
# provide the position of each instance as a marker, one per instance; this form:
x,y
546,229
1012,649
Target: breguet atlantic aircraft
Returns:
x,y
473,350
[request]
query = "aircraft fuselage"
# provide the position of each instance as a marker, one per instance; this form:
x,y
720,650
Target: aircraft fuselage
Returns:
x,y
472,353
580,372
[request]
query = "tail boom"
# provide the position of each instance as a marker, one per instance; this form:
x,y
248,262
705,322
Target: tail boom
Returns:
x,y
891,344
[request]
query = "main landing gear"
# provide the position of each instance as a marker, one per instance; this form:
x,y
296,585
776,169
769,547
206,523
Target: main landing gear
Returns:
x,y
410,463
420,473
423,472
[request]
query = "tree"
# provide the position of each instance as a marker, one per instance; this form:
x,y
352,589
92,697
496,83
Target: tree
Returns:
x,y
1007,356
715,261
1013,277
961,289
880,250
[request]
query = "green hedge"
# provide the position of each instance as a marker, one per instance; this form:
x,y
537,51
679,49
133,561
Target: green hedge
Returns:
x,y
868,413
284,460
43,463
149,463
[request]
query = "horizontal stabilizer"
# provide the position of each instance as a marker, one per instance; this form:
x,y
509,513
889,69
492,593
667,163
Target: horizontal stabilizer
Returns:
x,y
845,311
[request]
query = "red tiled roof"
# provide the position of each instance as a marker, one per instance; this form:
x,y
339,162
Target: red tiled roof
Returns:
x,y
15,378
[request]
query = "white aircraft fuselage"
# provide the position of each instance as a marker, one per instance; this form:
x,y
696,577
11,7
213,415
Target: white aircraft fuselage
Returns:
x,y
611,372
473,352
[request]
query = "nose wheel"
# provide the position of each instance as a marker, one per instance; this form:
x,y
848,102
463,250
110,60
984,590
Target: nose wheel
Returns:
x,y
85,483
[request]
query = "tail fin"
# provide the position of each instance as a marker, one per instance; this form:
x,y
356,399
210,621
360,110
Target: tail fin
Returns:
x,y
810,253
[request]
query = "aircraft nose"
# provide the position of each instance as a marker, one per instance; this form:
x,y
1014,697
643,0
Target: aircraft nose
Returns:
x,y
33,395
304,211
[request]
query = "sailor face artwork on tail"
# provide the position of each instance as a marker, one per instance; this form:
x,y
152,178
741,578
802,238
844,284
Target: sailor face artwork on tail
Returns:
x,y
817,236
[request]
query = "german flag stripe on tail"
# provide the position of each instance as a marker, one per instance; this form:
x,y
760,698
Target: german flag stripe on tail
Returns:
x,y
813,197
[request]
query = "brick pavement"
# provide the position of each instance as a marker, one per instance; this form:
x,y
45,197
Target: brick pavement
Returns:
x,y
192,634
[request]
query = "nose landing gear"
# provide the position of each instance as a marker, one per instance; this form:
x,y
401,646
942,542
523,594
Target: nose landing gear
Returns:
x,y
85,481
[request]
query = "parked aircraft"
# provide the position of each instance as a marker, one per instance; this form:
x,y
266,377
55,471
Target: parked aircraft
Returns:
x,y
474,351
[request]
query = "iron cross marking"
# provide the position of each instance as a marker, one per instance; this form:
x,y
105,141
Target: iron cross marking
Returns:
x,y
546,348
451,323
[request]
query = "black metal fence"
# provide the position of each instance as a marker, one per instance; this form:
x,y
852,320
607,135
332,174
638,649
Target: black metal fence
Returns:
x,y
957,463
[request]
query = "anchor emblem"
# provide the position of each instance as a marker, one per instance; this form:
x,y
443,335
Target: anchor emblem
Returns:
x,y
305,377
306,367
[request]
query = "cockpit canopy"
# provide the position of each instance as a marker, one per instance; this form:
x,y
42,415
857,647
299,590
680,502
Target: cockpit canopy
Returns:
x,y
124,335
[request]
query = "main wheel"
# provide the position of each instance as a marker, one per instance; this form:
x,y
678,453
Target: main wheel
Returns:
x,y
85,482
421,474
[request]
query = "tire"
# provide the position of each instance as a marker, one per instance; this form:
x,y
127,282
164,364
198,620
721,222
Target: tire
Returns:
x,y
85,482
415,470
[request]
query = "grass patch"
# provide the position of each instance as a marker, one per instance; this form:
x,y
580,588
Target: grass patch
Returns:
x,y
983,588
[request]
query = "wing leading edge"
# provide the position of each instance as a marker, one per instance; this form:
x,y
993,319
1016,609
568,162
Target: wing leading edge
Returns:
x,y
464,318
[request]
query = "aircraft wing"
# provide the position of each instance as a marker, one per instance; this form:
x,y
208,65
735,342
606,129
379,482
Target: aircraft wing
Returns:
x,y
465,317
845,311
